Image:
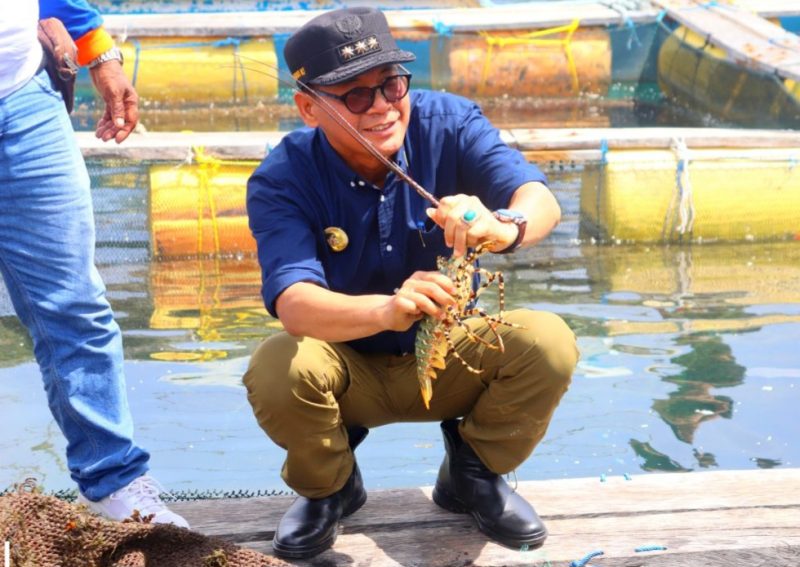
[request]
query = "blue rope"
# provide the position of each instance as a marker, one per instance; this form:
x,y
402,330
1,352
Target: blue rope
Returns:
x,y
646,548
585,560
604,151
442,29
239,67
633,38
137,52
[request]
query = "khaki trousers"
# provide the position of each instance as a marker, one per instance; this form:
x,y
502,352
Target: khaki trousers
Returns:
x,y
305,394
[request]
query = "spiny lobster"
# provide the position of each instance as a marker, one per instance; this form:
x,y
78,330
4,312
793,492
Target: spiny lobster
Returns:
x,y
433,342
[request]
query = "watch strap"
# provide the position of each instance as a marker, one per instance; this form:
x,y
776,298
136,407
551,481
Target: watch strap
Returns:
x,y
113,54
517,219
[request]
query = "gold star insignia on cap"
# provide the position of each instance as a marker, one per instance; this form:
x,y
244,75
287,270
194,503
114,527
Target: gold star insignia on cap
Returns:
x,y
359,48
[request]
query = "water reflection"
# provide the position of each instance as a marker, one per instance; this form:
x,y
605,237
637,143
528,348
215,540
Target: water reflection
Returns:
x,y
689,300
701,288
582,111
709,365
218,300
698,298
654,460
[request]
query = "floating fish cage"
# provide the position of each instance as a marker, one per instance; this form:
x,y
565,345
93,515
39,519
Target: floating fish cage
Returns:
x,y
698,73
678,195
534,49
189,54
637,185
562,61
199,209
665,189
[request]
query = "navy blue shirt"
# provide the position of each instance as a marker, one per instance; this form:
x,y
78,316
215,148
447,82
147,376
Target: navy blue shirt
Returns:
x,y
304,187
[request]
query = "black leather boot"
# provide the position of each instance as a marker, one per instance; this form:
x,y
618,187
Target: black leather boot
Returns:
x,y
466,485
309,525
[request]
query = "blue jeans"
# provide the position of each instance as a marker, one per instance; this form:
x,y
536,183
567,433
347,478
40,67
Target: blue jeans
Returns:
x,y
47,259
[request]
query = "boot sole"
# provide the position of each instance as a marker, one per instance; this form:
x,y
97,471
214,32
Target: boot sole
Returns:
x,y
286,552
452,504
304,552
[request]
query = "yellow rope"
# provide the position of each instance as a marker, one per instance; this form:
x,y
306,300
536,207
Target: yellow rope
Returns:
x,y
534,38
207,167
208,328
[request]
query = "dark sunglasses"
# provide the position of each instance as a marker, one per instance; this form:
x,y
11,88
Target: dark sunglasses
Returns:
x,y
361,99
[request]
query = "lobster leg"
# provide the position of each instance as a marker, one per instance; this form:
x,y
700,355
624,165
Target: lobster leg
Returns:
x,y
452,348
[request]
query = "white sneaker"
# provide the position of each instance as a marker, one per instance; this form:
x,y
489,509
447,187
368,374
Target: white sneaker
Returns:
x,y
142,495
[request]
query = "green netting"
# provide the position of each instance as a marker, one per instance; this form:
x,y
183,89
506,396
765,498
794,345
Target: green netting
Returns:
x,y
173,496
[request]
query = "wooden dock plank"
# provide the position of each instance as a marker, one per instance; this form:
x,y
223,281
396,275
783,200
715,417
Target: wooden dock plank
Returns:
x,y
506,16
771,8
265,23
752,514
575,144
456,542
747,38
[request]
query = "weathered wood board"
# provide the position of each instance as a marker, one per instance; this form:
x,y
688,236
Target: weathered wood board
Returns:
x,y
730,518
173,146
498,17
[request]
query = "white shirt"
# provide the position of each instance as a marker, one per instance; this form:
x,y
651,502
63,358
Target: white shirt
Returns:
x,y
20,51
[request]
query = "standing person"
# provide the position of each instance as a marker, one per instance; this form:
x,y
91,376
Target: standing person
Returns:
x,y
47,241
350,304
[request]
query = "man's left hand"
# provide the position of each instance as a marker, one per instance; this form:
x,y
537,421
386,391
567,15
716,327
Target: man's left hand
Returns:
x,y
122,103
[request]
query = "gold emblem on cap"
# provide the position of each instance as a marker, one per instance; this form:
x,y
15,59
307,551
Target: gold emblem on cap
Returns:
x,y
337,238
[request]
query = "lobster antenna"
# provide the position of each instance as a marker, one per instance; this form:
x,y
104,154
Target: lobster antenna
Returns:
x,y
340,120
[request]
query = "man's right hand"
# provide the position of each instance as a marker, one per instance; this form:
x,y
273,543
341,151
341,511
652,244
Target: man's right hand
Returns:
x,y
424,293
122,103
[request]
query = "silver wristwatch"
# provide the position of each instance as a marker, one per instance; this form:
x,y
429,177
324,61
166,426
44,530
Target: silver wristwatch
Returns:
x,y
113,54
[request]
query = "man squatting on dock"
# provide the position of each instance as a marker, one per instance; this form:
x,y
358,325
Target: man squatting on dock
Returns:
x,y
345,363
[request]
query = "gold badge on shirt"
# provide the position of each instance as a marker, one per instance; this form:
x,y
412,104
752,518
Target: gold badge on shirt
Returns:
x,y
337,238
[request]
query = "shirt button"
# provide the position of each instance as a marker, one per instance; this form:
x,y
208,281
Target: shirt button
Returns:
x,y
352,184
361,183
383,198
388,247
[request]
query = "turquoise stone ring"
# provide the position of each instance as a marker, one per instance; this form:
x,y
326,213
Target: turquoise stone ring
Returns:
x,y
469,215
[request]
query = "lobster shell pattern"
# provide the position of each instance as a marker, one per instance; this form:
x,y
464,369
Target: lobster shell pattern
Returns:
x,y
433,342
